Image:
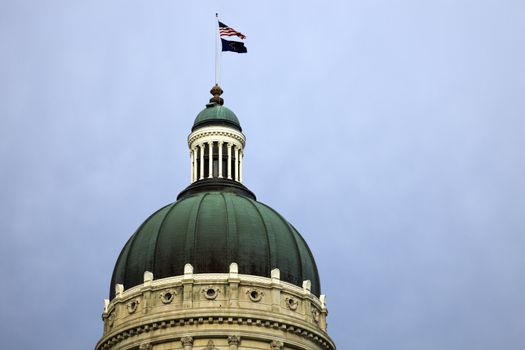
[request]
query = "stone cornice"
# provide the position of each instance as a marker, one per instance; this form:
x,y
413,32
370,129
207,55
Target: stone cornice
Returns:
x,y
221,132
111,339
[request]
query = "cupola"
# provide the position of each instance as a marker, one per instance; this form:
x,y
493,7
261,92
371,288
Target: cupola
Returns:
x,y
216,142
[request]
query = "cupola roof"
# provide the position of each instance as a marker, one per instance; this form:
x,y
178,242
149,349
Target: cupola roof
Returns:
x,y
215,113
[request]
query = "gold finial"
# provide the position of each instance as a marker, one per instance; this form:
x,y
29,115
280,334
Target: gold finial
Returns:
x,y
216,91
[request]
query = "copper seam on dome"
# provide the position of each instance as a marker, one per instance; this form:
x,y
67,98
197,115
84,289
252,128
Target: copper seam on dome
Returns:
x,y
190,231
309,251
127,249
145,226
272,241
238,235
132,243
299,252
114,276
290,230
292,233
234,240
268,247
296,236
195,230
228,245
150,242
270,267
159,231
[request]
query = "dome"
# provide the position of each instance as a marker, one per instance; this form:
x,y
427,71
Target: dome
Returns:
x,y
216,114
210,230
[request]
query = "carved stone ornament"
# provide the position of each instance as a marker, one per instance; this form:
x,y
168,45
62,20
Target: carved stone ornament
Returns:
x,y
316,315
145,346
292,303
210,346
276,345
233,340
133,305
210,293
167,296
111,319
186,341
255,295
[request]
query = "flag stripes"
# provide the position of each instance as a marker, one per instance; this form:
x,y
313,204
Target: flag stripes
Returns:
x,y
224,30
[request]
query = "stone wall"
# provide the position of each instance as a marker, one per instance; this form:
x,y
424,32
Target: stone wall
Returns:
x,y
215,311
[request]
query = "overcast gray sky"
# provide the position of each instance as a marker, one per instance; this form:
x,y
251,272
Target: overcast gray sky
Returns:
x,y
391,133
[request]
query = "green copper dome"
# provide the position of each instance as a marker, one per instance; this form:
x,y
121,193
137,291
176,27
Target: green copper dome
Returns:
x,y
211,229
215,114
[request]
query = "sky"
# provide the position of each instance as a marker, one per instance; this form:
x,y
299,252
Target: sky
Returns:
x,y
390,133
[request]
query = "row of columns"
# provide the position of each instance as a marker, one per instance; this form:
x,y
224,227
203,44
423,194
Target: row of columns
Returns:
x,y
198,164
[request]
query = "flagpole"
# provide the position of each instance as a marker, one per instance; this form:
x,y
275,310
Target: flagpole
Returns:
x,y
217,57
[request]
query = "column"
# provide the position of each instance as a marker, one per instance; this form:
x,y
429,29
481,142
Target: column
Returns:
x,y
220,159
210,160
241,156
229,145
201,147
236,164
194,168
191,165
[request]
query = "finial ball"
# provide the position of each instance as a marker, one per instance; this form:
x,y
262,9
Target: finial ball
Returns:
x,y
216,91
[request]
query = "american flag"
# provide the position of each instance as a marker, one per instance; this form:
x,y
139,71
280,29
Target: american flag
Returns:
x,y
224,30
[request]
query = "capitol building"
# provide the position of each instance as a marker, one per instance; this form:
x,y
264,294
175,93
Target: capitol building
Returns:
x,y
216,269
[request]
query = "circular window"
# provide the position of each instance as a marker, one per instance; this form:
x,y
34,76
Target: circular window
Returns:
x,y
255,295
132,306
167,297
292,303
210,293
